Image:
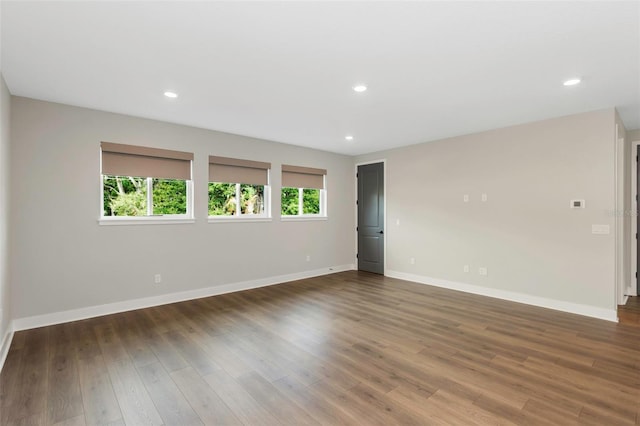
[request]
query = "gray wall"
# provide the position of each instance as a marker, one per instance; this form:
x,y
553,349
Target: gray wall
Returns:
x,y
525,234
62,259
5,294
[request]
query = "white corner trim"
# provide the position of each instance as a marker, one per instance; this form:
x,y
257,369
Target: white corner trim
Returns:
x,y
146,302
558,305
6,344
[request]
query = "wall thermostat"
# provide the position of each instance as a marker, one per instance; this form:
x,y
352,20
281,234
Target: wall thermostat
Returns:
x,y
577,204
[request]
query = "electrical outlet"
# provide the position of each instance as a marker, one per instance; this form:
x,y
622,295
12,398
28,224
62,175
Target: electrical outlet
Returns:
x,y
482,271
484,197
465,198
466,268
412,260
157,278
308,258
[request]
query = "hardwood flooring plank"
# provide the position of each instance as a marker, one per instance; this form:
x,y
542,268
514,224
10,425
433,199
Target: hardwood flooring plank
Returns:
x,y
594,416
597,401
504,411
380,403
351,403
84,339
465,412
38,419
74,421
169,401
547,412
10,382
64,396
420,402
203,399
281,407
18,339
225,358
133,339
192,353
135,403
252,357
243,405
164,351
99,400
318,407
31,389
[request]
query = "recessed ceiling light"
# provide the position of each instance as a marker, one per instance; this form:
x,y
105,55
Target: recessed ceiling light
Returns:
x,y
572,82
171,94
360,88
349,137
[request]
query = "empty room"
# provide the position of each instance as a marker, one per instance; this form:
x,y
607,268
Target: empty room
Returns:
x,y
319,213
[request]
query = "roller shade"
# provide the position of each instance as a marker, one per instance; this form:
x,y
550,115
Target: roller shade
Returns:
x,y
302,177
131,160
234,170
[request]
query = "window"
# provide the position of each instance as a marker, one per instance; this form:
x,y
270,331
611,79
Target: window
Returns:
x,y
145,183
303,193
238,188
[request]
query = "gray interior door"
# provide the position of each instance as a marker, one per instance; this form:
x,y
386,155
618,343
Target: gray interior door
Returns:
x,y
371,218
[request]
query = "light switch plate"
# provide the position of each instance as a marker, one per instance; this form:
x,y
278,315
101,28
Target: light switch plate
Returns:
x,y
600,229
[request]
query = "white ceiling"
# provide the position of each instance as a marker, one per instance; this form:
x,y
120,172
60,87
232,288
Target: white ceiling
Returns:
x,y
284,70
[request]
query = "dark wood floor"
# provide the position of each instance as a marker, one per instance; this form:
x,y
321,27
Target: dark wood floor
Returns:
x,y
630,312
350,348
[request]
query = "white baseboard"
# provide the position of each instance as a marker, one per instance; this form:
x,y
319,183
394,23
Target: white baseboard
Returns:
x,y
5,344
146,302
631,291
558,305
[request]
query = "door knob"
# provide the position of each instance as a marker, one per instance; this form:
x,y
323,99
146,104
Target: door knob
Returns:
x,y
381,232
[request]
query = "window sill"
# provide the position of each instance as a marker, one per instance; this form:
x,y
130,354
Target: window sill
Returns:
x,y
144,221
302,218
234,219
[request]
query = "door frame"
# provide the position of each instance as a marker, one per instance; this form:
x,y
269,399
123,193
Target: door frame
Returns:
x,y
632,289
619,249
384,211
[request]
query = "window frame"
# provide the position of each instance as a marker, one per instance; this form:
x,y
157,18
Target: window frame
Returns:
x,y
301,216
239,216
238,168
149,219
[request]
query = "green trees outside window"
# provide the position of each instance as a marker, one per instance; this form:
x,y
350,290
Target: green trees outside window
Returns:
x,y
128,196
310,201
169,196
290,201
233,199
294,198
